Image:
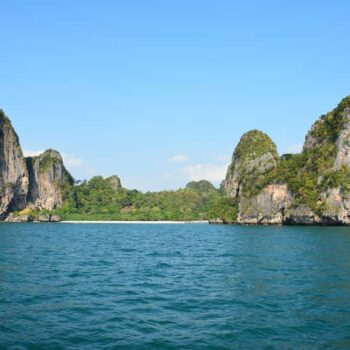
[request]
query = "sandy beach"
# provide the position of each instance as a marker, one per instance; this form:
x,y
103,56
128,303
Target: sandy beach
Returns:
x,y
136,222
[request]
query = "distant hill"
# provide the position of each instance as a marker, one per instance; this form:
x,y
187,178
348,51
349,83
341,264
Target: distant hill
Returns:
x,y
201,186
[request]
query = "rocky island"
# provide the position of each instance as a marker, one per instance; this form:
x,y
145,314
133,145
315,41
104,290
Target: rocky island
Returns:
x,y
260,188
307,188
29,185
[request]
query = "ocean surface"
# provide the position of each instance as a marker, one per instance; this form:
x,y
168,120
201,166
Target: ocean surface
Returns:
x,y
66,286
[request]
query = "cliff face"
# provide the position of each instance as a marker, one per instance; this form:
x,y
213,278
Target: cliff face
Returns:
x,y
265,208
47,179
37,181
343,143
254,157
308,188
326,168
334,196
13,171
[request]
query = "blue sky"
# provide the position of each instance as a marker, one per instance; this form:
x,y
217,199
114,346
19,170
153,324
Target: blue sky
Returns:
x,y
159,92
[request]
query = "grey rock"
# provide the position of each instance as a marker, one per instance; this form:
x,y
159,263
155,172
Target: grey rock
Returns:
x,y
20,218
275,203
55,218
44,218
301,215
47,178
343,144
266,208
337,206
254,156
13,171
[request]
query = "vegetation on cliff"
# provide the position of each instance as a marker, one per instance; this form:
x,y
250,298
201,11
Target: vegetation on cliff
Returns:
x,y
329,126
253,145
13,172
312,172
3,117
323,165
253,157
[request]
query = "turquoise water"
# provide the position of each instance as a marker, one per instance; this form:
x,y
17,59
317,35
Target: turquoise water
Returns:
x,y
174,287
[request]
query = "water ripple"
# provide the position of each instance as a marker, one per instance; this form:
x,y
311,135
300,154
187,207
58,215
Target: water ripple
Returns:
x,y
174,287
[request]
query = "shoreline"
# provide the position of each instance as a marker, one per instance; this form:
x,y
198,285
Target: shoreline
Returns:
x,y
162,222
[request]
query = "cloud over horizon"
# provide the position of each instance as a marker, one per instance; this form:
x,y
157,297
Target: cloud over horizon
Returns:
x,y
29,153
210,172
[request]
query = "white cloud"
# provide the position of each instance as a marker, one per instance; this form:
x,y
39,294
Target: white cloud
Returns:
x,y
179,158
210,172
28,153
71,161
296,148
78,167
213,169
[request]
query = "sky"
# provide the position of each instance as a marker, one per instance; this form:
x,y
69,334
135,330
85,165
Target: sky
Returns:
x,y
160,92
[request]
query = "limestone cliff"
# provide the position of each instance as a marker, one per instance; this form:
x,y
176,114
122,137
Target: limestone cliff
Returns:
x,y
300,215
265,208
308,188
13,171
327,154
47,180
254,157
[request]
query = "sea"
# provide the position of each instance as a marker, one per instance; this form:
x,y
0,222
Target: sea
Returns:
x,y
191,286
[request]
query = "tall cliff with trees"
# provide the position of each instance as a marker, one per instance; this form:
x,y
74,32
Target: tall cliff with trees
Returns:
x,y
34,184
14,179
307,188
